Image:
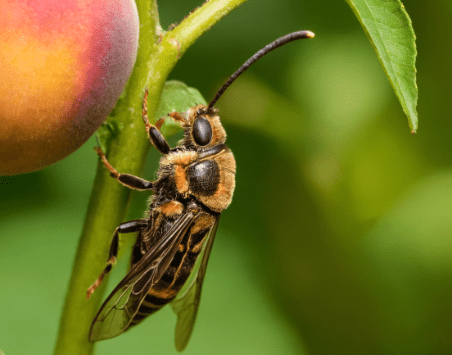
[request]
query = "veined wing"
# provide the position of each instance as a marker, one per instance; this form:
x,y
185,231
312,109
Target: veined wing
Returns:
x,y
122,304
186,305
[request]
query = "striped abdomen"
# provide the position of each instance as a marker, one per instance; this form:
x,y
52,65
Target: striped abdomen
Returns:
x,y
166,289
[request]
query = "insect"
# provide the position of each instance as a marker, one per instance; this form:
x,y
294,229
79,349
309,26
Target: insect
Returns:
x,y
195,183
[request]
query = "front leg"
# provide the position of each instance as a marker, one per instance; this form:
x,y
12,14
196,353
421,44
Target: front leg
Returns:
x,y
131,181
126,227
154,134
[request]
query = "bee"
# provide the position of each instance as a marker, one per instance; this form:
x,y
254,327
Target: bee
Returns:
x,y
195,183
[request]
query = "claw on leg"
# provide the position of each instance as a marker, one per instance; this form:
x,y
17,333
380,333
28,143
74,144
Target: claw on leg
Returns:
x,y
99,280
177,117
145,112
110,168
159,123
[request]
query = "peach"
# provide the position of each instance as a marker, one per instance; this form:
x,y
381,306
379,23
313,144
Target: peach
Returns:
x,y
63,65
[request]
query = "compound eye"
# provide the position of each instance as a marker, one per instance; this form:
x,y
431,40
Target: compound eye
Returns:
x,y
202,131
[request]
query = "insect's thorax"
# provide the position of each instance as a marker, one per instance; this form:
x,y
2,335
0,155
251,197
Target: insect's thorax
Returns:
x,y
208,176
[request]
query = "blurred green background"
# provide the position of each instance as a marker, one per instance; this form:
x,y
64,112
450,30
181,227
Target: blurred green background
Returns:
x,y
338,240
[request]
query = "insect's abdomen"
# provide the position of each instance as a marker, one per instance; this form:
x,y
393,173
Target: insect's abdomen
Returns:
x,y
166,289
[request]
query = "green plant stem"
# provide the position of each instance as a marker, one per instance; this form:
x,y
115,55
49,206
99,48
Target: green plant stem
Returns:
x,y
158,52
174,43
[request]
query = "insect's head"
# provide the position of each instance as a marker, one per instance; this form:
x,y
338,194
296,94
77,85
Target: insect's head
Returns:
x,y
203,128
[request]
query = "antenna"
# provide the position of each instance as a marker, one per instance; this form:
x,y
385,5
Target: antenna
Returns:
x,y
268,48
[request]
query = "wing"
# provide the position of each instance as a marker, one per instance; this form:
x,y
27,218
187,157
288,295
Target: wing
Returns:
x,y
122,304
186,306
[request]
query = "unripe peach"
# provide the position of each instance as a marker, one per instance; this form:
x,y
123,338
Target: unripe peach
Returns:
x,y
63,65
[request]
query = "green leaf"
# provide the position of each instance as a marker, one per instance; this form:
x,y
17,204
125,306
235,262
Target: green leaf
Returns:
x,y
176,96
388,27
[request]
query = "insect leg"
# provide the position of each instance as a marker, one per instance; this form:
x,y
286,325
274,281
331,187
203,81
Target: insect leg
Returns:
x,y
126,227
176,116
131,181
154,134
